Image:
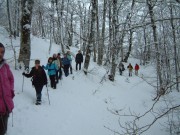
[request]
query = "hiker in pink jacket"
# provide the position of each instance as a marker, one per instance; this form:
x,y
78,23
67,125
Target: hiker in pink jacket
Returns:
x,y
6,91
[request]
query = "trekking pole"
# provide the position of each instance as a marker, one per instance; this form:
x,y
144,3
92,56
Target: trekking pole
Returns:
x,y
12,120
23,83
48,94
61,81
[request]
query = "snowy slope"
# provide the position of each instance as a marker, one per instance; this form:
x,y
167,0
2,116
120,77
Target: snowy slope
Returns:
x,y
80,105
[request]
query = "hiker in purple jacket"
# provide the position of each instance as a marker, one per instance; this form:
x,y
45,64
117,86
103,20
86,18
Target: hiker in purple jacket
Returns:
x,y
6,91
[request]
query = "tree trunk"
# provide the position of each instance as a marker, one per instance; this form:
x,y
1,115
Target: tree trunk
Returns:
x,y
25,45
155,36
89,48
70,40
175,48
109,49
16,19
96,44
130,46
145,46
41,25
115,39
84,33
9,18
101,43
60,24
128,21
52,35
166,56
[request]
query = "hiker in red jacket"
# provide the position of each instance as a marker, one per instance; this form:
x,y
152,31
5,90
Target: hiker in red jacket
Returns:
x,y
136,69
6,91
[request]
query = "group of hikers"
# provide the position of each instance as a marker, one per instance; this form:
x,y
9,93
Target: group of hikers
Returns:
x,y
54,68
122,68
130,68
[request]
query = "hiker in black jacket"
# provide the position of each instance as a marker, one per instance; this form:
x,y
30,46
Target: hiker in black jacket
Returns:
x,y
39,79
79,60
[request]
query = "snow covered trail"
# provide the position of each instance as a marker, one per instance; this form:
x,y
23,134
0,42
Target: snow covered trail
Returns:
x,y
80,105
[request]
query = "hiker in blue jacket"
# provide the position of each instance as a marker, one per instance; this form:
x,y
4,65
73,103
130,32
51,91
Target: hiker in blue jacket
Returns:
x,y
52,68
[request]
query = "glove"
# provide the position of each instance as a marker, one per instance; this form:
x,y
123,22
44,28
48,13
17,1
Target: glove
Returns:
x,y
23,73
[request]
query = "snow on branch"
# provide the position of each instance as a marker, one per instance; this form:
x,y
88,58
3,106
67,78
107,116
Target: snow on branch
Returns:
x,y
27,26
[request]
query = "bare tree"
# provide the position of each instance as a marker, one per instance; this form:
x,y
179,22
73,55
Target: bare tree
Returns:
x,y
25,45
174,46
115,39
102,41
128,21
96,43
150,5
91,37
59,10
9,18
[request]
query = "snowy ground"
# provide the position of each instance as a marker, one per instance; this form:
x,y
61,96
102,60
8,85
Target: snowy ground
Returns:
x,y
80,105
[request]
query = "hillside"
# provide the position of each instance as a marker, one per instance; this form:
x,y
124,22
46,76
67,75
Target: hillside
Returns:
x,y
80,105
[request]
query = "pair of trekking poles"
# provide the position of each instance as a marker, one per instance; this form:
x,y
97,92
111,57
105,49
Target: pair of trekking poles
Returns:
x,y
46,88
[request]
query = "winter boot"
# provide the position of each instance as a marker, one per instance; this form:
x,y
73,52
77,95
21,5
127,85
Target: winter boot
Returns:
x,y
38,103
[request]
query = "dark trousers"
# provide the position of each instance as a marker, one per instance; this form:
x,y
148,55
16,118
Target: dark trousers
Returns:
x,y
70,66
3,123
38,93
120,71
53,81
66,70
78,63
57,77
60,73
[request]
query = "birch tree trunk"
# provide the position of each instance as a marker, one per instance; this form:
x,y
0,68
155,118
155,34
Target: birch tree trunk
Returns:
x,y
9,18
60,24
67,25
85,27
145,46
70,32
96,44
166,56
175,47
91,37
109,49
41,24
101,43
128,21
25,44
155,37
115,39
81,24
16,20
11,33
52,35
53,20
